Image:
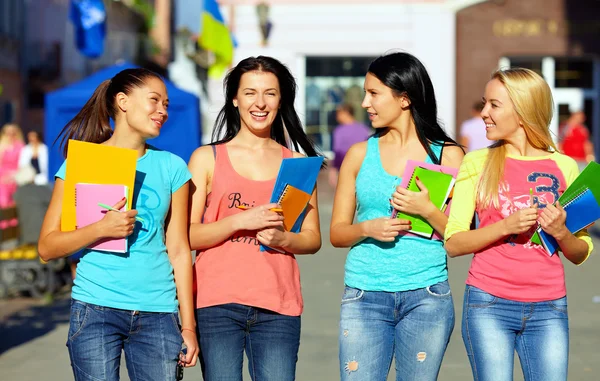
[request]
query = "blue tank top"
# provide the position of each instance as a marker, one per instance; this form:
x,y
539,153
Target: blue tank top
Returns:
x,y
410,262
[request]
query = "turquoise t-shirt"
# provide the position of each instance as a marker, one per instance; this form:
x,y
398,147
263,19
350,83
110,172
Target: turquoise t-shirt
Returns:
x,y
410,262
141,279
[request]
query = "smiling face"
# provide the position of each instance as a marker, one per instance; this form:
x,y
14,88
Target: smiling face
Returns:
x,y
383,107
146,107
499,114
258,99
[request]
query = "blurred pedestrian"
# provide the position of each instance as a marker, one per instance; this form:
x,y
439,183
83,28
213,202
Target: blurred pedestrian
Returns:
x,y
347,133
575,140
35,154
11,144
472,131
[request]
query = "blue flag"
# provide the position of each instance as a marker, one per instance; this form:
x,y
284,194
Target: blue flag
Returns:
x,y
89,20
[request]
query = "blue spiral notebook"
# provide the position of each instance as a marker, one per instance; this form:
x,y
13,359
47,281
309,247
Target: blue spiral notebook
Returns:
x,y
300,173
582,210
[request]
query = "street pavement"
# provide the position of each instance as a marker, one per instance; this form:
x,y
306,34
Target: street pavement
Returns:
x,y
33,335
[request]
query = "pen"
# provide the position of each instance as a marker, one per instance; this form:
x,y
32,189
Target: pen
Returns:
x,y
530,196
108,207
276,210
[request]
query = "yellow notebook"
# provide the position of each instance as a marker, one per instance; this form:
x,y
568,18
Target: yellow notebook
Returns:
x,y
293,201
98,164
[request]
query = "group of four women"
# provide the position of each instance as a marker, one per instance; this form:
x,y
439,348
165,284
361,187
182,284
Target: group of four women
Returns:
x,y
396,303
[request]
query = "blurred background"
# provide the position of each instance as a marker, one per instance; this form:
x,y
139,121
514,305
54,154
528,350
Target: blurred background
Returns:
x,y
53,53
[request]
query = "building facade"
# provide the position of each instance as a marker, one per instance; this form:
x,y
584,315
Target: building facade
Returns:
x,y
328,45
557,38
11,47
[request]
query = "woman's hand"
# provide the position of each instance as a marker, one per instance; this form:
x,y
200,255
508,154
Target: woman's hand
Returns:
x,y
552,220
520,221
191,343
258,218
411,202
385,229
272,237
118,224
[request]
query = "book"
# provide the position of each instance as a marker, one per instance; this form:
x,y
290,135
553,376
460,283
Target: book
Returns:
x,y
293,201
406,176
87,211
587,179
95,164
300,173
439,185
582,210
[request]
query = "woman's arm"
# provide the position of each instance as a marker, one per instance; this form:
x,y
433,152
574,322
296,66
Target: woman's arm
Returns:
x,y
180,257
460,240
343,231
205,235
54,243
419,203
552,220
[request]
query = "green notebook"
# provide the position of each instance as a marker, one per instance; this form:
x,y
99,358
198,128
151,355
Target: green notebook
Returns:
x,y
439,185
587,179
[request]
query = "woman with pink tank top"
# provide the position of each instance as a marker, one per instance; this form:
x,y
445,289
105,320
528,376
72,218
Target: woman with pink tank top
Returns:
x,y
247,299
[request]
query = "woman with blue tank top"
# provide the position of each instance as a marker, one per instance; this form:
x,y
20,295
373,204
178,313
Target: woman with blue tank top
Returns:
x,y
129,302
397,301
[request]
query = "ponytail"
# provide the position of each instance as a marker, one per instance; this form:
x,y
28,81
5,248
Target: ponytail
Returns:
x,y
92,123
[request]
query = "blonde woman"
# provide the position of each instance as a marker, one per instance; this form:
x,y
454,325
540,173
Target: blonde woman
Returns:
x,y
11,143
515,297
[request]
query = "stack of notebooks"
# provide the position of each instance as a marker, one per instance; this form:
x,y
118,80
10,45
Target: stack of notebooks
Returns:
x,y
91,174
581,201
439,181
293,189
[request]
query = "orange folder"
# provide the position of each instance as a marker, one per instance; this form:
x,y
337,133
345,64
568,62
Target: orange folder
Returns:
x,y
293,201
97,164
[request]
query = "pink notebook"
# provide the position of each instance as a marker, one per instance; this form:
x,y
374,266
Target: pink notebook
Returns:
x,y
408,171
87,211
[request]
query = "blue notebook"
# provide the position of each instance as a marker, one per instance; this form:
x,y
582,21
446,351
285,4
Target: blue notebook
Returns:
x,y
581,211
301,173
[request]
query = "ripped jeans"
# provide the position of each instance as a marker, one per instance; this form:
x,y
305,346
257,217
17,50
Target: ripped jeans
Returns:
x,y
414,326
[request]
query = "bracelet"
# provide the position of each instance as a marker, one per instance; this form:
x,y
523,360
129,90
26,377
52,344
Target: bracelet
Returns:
x,y
188,329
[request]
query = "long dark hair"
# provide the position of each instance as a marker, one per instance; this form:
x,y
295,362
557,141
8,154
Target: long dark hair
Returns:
x,y
92,122
406,76
228,122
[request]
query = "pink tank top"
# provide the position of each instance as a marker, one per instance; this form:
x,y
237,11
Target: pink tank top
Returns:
x,y
236,271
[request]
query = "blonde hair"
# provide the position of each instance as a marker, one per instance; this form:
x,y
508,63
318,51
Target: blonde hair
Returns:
x,y
532,100
4,142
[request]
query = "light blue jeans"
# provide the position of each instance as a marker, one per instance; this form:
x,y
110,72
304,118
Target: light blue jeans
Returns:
x,y
97,336
493,328
414,326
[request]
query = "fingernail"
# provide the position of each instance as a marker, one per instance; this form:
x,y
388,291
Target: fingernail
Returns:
x,y
123,199
417,178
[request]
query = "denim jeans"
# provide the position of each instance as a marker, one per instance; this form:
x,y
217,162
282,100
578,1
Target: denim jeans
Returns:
x,y
97,335
414,326
271,342
493,327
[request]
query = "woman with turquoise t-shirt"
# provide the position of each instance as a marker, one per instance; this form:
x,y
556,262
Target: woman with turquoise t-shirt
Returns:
x,y
129,302
397,301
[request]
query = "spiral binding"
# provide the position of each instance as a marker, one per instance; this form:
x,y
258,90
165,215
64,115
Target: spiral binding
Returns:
x,y
578,196
283,193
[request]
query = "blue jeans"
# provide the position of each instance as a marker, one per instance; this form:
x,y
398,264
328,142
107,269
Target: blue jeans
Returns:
x,y
414,326
271,342
97,335
492,328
